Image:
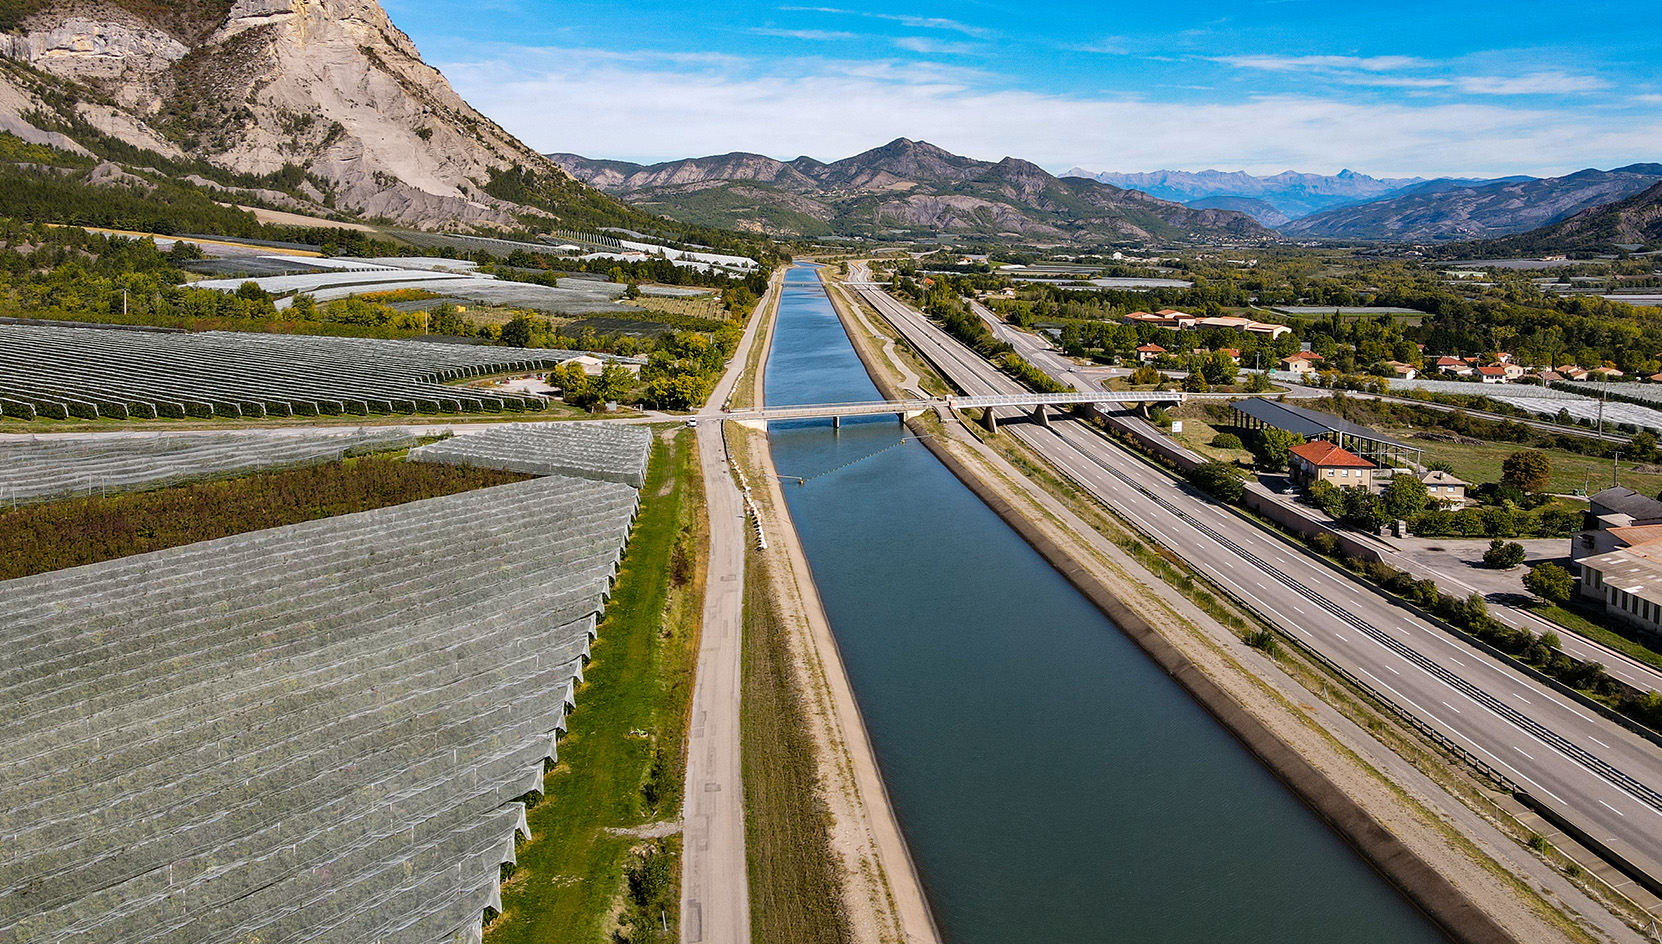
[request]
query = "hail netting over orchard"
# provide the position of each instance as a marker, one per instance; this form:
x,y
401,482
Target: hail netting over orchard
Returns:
x,y
33,469
312,733
607,451
87,372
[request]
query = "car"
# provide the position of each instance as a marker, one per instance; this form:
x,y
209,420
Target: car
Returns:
x,y
692,423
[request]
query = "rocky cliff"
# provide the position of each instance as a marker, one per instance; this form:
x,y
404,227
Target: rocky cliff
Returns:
x,y
326,92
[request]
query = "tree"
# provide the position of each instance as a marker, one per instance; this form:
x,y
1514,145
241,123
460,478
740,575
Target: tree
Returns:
x,y
1549,582
1364,511
1328,497
1220,480
1527,470
1504,555
1196,382
1218,368
1144,376
1271,447
614,383
517,333
1258,382
1405,497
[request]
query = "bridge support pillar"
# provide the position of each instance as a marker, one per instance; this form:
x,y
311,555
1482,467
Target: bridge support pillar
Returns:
x,y
989,420
836,422
900,418
1041,416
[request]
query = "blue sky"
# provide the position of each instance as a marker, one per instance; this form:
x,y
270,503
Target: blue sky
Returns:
x,y
1390,89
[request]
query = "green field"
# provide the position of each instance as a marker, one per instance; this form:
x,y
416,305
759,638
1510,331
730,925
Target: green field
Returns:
x,y
1571,472
584,878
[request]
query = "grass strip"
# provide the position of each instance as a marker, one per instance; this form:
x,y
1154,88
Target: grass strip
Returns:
x,y
796,894
36,539
603,863
1580,625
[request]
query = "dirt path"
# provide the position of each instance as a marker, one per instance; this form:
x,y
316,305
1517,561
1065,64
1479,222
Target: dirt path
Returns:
x,y
715,889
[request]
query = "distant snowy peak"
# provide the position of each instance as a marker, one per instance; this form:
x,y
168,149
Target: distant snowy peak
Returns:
x,y
1290,193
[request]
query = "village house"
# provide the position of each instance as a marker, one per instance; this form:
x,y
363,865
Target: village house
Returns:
x,y
1149,352
1403,371
1492,374
1304,362
1323,461
1445,489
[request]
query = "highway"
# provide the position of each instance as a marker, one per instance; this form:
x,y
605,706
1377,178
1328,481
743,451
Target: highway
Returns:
x,y
1590,770
1041,354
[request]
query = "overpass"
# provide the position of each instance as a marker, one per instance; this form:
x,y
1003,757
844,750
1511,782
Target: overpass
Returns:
x,y
904,409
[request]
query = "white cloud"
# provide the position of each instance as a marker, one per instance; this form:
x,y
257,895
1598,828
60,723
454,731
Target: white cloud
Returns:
x,y
638,107
812,35
1535,83
1323,63
913,22
936,47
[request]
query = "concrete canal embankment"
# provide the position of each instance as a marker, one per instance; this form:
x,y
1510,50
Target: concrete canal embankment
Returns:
x,y
1052,782
1452,910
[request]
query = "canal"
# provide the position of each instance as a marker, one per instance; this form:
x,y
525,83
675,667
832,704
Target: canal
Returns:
x,y
1052,783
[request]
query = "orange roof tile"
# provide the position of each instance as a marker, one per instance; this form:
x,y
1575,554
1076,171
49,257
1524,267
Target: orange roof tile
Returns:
x,y
1324,454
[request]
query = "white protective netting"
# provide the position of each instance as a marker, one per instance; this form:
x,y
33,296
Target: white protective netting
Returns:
x,y
58,372
312,733
610,452
33,469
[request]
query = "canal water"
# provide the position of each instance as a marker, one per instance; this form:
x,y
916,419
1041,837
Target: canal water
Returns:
x,y
1053,785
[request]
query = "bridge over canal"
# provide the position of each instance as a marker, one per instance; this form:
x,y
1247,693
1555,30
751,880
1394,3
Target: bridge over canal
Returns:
x,y
1037,403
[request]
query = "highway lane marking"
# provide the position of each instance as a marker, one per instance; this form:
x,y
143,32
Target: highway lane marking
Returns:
x,y
1300,609
1451,707
1612,809
1456,661
1523,752
1354,590
1392,668
1520,698
1598,742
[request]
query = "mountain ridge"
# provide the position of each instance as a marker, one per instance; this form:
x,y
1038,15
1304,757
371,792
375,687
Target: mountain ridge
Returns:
x,y
1453,210
907,185
1290,192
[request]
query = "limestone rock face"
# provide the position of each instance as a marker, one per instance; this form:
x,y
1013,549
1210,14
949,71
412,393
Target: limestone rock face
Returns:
x,y
331,86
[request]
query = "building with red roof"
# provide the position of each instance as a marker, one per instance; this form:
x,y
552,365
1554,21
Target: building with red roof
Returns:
x,y
1323,461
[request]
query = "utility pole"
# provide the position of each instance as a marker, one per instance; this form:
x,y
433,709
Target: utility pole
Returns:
x,y
1614,472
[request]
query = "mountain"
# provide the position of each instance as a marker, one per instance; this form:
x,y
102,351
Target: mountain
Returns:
x,y
908,186
1263,212
1291,193
1454,210
1635,221
306,104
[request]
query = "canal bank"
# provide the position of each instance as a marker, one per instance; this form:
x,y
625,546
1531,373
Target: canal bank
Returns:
x,y
1462,886
882,898
1052,782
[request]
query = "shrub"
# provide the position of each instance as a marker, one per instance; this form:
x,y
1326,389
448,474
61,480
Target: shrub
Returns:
x,y
1327,496
1220,480
1226,441
1550,582
1263,640
1145,376
1504,555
